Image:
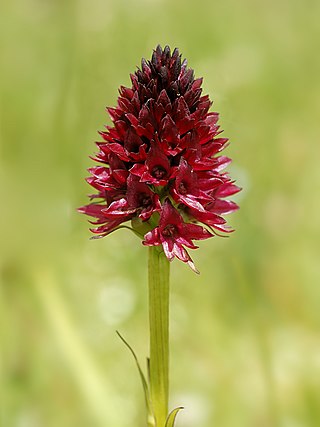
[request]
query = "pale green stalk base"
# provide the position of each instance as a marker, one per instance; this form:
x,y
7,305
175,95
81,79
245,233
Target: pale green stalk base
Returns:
x,y
159,269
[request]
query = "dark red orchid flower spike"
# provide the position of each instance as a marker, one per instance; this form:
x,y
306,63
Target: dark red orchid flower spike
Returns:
x,y
160,162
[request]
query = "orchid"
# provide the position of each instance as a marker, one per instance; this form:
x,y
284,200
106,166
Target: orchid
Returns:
x,y
160,169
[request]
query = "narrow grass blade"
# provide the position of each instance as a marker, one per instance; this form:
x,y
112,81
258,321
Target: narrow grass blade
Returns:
x,y
172,417
144,382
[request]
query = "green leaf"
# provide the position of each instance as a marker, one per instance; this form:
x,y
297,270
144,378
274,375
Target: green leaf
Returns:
x,y
151,422
172,417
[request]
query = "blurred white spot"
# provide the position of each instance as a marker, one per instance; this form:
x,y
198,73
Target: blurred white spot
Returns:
x,y
27,419
196,412
240,65
116,302
282,213
290,422
235,67
127,411
242,178
180,318
95,18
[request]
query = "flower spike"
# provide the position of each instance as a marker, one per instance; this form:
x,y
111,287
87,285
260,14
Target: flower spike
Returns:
x,y
160,162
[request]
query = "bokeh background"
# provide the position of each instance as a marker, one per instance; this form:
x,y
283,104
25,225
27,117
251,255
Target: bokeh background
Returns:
x,y
245,346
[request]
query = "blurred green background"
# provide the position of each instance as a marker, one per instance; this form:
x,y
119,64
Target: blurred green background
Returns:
x,y
245,347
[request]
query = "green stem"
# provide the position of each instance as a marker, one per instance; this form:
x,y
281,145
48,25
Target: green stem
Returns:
x,y
159,269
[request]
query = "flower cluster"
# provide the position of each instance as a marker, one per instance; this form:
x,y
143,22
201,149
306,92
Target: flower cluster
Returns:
x,y
160,166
